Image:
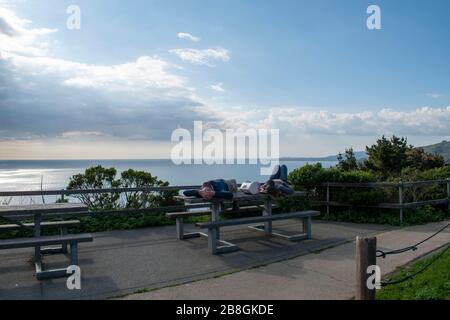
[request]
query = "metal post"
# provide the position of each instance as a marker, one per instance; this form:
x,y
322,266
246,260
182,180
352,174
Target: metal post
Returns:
x,y
180,228
37,233
365,256
268,212
216,207
400,200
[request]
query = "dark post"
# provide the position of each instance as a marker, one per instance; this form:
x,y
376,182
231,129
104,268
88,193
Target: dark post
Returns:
x,y
328,199
448,193
400,200
365,256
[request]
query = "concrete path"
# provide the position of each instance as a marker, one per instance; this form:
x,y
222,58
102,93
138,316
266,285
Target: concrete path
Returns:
x,y
123,262
329,274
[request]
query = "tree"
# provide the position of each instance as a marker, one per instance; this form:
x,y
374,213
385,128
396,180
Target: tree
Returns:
x,y
349,163
103,178
141,179
417,158
388,156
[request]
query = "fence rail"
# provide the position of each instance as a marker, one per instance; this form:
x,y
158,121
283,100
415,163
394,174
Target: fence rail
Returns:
x,y
400,205
65,192
401,186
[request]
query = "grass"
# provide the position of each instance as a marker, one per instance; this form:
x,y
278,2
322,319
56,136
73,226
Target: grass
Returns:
x,y
432,284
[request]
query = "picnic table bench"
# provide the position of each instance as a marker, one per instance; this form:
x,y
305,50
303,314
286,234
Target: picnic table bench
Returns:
x,y
217,206
37,212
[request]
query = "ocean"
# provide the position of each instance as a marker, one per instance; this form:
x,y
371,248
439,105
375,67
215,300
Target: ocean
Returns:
x,y
26,175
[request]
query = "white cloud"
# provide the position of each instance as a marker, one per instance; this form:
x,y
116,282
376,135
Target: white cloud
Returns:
x,y
435,95
424,121
203,56
43,97
217,87
17,37
188,36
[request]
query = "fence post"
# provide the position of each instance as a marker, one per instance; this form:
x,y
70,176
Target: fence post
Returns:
x,y
365,256
448,193
400,200
328,199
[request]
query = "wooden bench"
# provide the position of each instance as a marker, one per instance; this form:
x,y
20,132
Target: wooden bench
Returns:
x,y
214,227
61,225
64,240
180,216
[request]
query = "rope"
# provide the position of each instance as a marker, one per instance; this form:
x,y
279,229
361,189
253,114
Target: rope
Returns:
x,y
411,276
383,254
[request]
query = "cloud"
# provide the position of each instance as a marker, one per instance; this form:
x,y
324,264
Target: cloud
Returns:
x,y
435,95
188,36
43,97
217,87
203,56
424,121
17,37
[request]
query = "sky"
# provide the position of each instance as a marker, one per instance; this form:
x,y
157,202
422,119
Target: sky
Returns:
x,y
137,70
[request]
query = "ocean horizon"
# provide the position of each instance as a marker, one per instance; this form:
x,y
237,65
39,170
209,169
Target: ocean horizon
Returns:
x,y
27,175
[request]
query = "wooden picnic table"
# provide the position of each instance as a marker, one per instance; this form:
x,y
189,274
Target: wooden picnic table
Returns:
x,y
217,206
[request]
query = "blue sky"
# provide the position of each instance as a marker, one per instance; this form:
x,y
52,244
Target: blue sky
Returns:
x,y
309,68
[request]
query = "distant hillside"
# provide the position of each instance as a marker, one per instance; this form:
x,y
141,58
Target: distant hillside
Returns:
x,y
360,155
442,148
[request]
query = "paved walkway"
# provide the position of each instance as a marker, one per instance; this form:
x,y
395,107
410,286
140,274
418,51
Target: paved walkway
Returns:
x,y
329,274
123,262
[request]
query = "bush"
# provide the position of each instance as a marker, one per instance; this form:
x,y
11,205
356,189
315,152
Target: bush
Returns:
x,y
310,177
105,178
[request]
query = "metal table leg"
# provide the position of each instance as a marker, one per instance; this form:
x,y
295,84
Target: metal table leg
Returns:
x,y
37,250
268,212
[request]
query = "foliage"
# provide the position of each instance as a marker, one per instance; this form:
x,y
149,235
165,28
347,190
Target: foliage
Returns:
x,y
311,176
96,178
432,284
347,162
104,178
389,157
442,148
142,179
417,158
422,215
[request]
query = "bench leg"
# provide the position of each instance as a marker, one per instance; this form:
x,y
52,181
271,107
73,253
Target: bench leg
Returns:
x,y
307,227
37,233
212,240
215,216
180,228
74,254
64,245
268,212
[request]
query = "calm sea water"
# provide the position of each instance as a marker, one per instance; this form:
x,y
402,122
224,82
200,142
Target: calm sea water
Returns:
x,y
55,174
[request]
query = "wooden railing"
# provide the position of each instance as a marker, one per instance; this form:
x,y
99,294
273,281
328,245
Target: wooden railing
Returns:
x,y
400,205
401,186
66,192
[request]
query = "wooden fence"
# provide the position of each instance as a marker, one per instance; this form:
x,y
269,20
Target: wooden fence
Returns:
x,y
400,205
